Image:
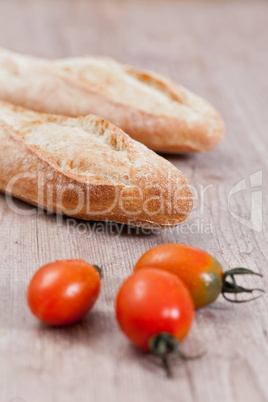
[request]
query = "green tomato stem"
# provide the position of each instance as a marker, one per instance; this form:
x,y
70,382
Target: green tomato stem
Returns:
x,y
162,345
232,287
165,345
99,269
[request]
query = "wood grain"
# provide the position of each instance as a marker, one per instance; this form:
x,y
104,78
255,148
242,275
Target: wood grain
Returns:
x,y
219,50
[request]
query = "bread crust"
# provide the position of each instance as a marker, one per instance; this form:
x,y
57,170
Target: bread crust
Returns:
x,y
89,169
149,107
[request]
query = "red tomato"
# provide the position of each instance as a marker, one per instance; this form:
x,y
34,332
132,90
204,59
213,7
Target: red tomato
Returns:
x,y
152,304
63,292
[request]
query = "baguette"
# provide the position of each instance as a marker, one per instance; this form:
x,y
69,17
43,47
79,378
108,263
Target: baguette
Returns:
x,y
89,169
150,108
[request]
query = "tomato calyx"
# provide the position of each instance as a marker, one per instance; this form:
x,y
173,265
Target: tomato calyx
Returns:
x,y
162,345
232,287
99,269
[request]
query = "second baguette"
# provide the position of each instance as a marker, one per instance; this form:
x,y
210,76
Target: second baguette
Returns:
x,y
149,107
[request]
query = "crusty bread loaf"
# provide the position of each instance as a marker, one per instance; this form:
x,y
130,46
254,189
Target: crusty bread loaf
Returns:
x,y
87,168
150,108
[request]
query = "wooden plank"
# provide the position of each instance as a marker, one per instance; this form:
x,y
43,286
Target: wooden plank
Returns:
x,y
219,50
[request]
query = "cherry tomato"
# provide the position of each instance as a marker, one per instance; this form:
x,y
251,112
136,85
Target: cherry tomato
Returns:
x,y
63,292
155,311
200,272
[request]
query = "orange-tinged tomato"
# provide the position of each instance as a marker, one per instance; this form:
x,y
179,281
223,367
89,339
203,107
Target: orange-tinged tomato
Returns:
x,y
63,292
200,272
154,306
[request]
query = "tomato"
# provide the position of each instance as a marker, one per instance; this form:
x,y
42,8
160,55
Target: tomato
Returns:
x,y
63,292
200,272
155,311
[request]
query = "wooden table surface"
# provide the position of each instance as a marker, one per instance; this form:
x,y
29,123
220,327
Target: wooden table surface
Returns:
x,y
220,51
